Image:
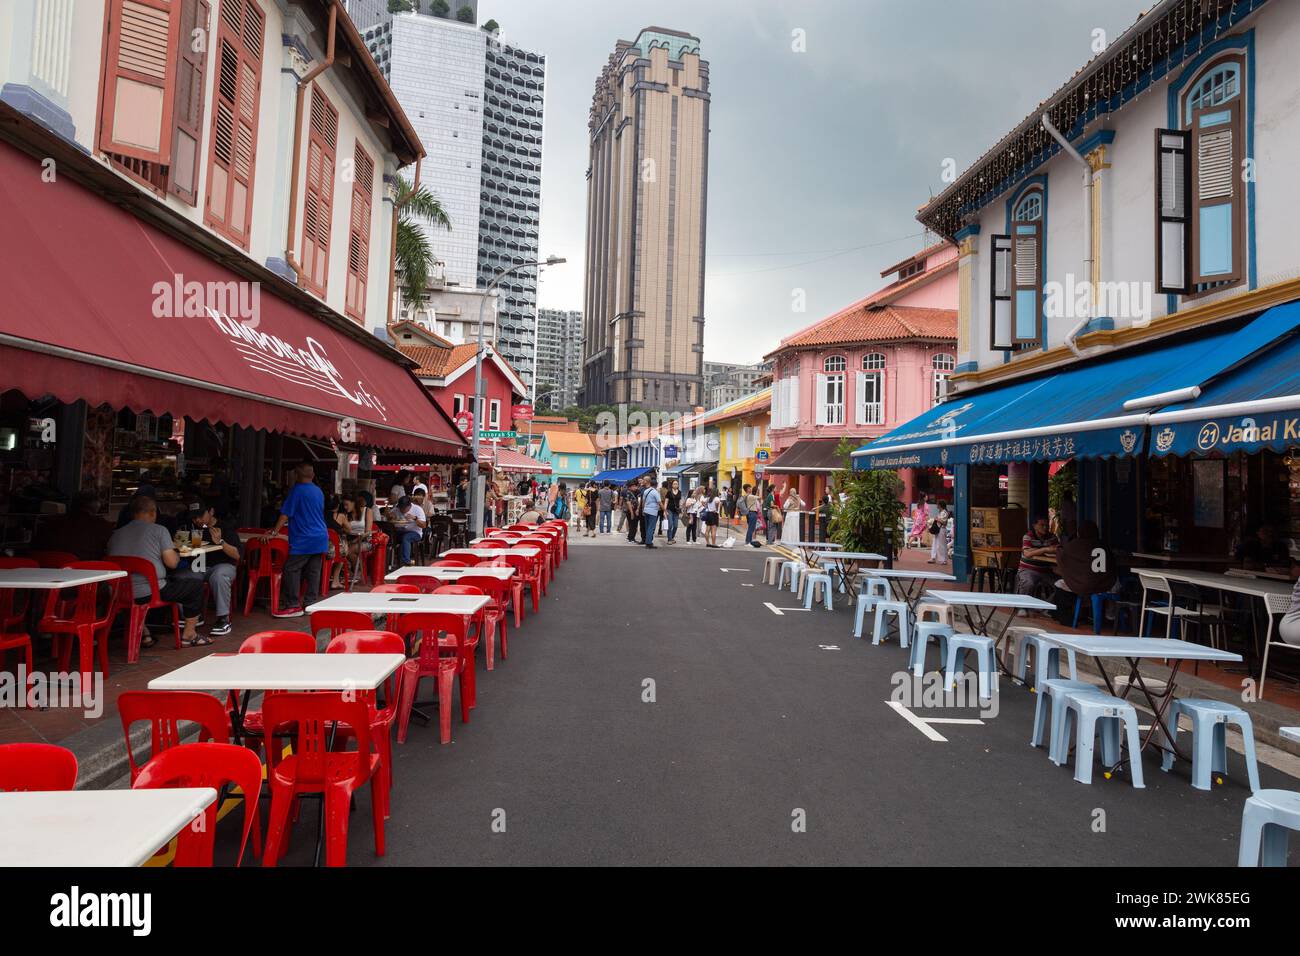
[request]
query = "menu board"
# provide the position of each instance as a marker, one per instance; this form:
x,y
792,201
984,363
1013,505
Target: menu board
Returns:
x,y
1207,493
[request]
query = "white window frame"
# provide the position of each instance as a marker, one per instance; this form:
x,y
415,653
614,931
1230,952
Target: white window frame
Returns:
x,y
457,404
870,413
494,414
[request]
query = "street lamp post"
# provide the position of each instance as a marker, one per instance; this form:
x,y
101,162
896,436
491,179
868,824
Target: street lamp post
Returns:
x,y
475,500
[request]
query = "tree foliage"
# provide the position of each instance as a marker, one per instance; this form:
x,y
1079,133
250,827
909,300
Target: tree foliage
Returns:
x,y
465,14
439,8
414,254
872,505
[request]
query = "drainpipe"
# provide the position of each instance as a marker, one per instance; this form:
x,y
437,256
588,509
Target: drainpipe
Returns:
x,y
1087,222
305,82
392,249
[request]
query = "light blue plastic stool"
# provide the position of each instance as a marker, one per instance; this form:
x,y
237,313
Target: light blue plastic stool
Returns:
x,y
1047,659
870,592
986,661
1265,819
810,582
1094,712
1050,693
927,631
900,611
1209,745
794,567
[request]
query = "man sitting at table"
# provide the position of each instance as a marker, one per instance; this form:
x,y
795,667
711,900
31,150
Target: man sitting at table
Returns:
x,y
408,518
143,537
220,567
1265,551
1086,566
1037,576
531,515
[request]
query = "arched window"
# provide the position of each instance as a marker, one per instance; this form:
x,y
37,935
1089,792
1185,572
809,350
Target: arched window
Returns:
x,y
830,391
873,361
943,364
1030,207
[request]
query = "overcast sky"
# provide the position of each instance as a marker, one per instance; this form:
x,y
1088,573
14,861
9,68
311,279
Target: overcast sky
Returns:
x,y
818,160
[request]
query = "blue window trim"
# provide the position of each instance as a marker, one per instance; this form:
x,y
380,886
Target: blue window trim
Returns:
x,y
1243,43
1039,181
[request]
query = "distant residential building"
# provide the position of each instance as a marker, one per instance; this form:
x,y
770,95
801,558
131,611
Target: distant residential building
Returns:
x,y
559,357
476,102
571,455
727,383
646,197
453,312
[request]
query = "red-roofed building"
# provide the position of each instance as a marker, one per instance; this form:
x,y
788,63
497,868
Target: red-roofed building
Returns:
x,y
859,372
447,371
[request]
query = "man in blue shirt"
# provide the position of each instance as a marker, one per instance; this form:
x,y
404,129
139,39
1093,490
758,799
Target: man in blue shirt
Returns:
x,y
650,501
304,511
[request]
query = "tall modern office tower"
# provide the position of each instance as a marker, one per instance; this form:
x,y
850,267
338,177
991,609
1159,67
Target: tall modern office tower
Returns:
x,y
647,186
476,102
559,357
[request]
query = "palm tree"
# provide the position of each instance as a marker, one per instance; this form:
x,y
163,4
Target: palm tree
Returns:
x,y
414,257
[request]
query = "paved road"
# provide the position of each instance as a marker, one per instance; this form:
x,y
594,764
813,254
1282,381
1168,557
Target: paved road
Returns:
x,y
752,721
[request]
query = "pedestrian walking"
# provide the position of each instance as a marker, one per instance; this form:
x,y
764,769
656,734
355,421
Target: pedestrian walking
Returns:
x,y
771,514
605,503
750,504
691,510
632,506
589,510
939,535
672,509
712,507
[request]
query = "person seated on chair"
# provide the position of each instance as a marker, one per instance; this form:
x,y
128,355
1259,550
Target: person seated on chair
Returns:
x,y
220,567
408,518
1265,551
532,514
144,537
1036,576
1086,567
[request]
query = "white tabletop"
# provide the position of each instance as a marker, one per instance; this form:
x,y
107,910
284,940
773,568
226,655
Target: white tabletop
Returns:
x,y
448,574
402,603
909,573
1290,733
50,579
281,672
847,556
1238,584
495,538
992,599
201,549
492,552
94,827
1160,647
814,545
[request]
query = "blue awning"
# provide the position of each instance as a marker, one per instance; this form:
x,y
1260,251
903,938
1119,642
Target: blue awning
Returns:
x,y
621,476
1077,412
1253,407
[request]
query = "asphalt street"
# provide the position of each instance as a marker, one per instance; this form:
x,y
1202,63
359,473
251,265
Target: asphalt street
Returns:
x,y
768,741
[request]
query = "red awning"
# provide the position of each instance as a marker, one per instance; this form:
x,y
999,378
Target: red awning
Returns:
x,y
85,284
507,459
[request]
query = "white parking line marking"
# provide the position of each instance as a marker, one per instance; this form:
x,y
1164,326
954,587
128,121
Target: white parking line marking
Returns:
x,y
729,570
923,723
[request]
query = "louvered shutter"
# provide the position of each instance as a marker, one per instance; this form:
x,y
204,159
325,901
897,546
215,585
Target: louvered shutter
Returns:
x,y
363,184
187,133
1000,299
1026,282
139,80
318,197
820,398
1173,218
860,398
1216,194
235,106
794,399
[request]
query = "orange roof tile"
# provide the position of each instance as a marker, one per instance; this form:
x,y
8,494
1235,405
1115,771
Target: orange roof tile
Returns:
x,y
569,443
866,323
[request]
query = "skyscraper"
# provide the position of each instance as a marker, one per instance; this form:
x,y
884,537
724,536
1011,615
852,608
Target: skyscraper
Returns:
x,y
476,102
647,189
559,357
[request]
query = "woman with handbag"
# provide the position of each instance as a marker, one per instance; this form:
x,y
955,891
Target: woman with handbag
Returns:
x,y
939,535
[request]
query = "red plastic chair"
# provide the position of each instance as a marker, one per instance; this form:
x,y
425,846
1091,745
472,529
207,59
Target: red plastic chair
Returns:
x,y
381,718
548,557
465,560
336,622
494,615
140,610
563,528
521,527
165,710
439,657
52,559
488,545
416,578
37,767
216,765
87,617
532,570
449,563
265,563
268,642
13,617
314,768
392,621
378,555
335,557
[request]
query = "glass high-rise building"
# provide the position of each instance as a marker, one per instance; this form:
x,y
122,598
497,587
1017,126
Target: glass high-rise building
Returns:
x,y
647,189
559,357
476,102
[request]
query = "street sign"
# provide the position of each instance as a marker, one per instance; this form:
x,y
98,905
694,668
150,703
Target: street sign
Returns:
x,y
670,451
521,413
763,453
464,422
496,434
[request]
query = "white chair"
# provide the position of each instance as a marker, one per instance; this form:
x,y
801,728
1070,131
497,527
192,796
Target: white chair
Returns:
x,y
1274,604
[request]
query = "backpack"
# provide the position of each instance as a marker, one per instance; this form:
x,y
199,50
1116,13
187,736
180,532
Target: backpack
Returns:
x,y
561,507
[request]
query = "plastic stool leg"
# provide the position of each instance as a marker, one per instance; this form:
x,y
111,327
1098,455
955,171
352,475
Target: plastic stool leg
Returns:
x,y
1083,747
1248,745
1134,750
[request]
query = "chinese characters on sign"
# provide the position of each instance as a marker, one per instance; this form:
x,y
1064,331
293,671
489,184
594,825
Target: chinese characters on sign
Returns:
x,y
1048,448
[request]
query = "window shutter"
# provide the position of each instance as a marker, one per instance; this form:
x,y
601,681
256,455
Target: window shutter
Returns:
x,y
860,398
1026,282
318,198
139,80
1173,221
880,397
820,398
235,101
187,130
1216,194
794,399
1000,284
363,184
